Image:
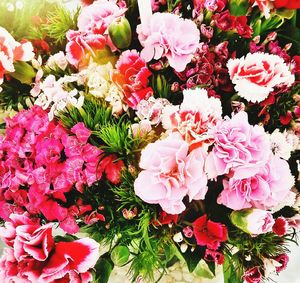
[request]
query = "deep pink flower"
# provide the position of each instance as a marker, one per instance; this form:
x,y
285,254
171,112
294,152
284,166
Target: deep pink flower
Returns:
x,y
132,77
280,227
239,148
78,256
209,233
82,133
253,275
224,21
168,35
188,232
170,173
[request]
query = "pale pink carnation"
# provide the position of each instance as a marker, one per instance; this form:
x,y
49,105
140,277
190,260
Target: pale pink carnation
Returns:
x,y
168,35
264,190
170,173
194,117
239,148
265,6
151,109
11,51
256,75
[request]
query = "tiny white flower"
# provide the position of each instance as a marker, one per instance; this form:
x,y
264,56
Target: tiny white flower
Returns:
x,y
178,238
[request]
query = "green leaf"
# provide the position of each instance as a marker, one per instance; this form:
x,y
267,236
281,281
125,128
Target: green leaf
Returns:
x,y
202,270
24,72
120,255
238,7
192,258
230,275
103,269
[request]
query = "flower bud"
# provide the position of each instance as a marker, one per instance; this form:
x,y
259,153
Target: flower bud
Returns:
x,y
178,237
24,72
120,33
253,221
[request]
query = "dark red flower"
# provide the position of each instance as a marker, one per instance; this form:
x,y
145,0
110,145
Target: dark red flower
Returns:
x,y
224,21
242,28
283,259
209,233
289,4
214,256
280,227
286,119
296,60
253,275
165,218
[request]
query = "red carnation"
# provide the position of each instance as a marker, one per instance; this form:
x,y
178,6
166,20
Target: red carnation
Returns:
x,y
209,233
132,77
280,227
288,4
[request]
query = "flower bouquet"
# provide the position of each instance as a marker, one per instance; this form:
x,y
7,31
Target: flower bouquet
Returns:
x,y
146,135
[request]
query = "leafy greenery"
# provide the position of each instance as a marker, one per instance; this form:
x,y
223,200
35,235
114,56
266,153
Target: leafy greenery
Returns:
x,y
59,22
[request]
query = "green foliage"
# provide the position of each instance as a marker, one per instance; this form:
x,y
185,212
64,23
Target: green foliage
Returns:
x,y
59,21
93,114
231,274
160,86
103,269
120,255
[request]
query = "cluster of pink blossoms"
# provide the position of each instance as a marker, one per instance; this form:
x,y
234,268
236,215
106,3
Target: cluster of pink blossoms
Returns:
x,y
41,161
32,254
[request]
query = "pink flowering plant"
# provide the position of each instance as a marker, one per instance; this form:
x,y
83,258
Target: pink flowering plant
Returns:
x,y
140,136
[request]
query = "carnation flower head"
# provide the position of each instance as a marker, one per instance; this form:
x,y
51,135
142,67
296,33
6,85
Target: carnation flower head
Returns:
x,y
170,173
240,149
168,35
194,117
256,75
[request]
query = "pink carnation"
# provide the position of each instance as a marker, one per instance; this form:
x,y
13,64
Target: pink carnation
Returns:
x,y
12,51
168,35
170,173
194,117
239,148
256,75
264,190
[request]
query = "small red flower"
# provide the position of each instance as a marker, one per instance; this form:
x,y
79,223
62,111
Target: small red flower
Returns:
x,y
214,256
280,227
286,119
209,233
289,4
165,218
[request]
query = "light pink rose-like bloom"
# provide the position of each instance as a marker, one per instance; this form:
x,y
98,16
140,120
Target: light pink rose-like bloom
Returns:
x,y
11,51
256,75
97,17
264,190
194,117
170,173
168,35
260,222
239,148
